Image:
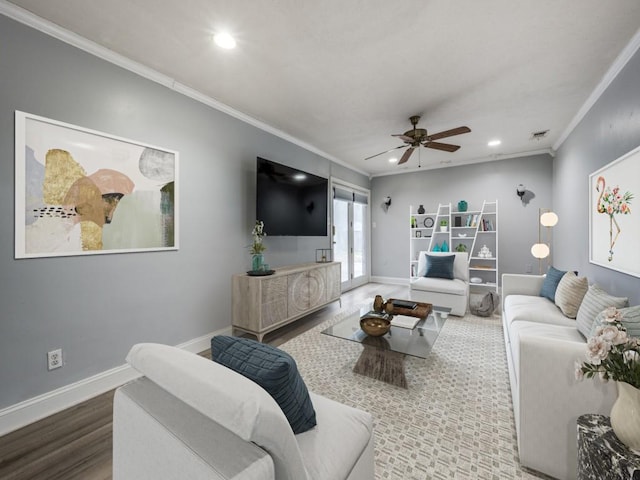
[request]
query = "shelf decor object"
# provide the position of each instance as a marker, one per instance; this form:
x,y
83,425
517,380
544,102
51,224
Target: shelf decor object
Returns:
x,y
613,219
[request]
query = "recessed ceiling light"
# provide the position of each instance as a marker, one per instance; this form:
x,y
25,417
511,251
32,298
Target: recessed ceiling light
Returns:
x,y
299,176
224,40
393,160
494,143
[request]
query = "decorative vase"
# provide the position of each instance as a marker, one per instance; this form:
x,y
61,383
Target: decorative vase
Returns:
x,y
625,416
443,228
420,209
257,260
462,206
445,247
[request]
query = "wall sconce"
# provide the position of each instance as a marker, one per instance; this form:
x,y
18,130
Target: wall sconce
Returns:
x,y
521,190
386,203
540,250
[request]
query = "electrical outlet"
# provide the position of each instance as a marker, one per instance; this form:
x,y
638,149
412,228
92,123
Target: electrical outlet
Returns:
x,y
528,268
54,359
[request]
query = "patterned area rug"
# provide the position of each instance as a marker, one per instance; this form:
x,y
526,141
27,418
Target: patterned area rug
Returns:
x,y
455,419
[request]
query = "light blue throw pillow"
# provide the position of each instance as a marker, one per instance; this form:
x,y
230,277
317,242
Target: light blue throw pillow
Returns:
x,y
630,320
550,284
594,302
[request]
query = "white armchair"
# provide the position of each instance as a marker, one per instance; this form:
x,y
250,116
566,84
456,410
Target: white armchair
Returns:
x,y
452,293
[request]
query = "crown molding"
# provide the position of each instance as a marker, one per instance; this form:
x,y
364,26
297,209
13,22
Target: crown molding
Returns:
x,y
471,161
49,28
618,64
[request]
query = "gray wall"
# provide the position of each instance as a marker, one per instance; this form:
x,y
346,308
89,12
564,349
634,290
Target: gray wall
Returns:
x,y
96,307
518,228
609,130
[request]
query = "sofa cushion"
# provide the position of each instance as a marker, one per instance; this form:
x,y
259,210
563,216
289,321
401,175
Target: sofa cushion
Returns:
x,y
542,330
440,285
595,301
534,309
228,398
274,370
630,320
460,264
550,284
331,450
440,266
570,292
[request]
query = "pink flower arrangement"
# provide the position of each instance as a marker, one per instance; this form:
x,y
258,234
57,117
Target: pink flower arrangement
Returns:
x,y
611,353
613,203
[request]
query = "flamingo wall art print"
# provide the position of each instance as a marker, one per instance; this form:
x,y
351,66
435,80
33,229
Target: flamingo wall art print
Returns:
x,y
614,224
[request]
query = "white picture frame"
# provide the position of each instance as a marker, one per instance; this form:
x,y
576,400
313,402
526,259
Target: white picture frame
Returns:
x,y
614,214
84,192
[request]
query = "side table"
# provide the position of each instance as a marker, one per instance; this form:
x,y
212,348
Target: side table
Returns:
x,y
601,456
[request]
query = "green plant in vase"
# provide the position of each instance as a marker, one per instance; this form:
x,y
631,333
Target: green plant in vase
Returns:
x,y
443,225
257,248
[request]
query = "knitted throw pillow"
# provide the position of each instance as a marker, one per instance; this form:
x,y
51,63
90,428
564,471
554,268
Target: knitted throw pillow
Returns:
x,y
570,292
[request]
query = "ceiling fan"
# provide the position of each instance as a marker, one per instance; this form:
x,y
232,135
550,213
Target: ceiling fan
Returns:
x,y
418,136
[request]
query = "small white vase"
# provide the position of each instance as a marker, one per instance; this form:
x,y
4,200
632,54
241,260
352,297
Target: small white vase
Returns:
x,y
625,416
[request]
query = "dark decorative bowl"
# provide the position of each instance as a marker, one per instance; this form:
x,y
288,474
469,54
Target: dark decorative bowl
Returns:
x,y
374,326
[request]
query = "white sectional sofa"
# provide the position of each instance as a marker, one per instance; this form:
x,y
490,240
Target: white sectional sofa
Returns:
x,y
190,417
542,346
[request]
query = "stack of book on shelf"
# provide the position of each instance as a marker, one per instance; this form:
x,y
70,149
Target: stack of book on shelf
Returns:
x,y
485,225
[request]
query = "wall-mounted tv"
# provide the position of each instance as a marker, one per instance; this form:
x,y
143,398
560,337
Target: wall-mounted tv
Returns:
x,y
290,201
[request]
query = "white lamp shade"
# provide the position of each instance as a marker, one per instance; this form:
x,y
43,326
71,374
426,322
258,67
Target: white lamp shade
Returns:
x,y
540,250
548,219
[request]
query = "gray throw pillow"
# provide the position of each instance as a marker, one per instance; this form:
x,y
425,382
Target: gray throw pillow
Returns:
x,y
630,320
440,266
595,301
570,292
550,284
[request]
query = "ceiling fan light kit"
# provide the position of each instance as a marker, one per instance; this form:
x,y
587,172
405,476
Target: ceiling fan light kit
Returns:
x,y
418,137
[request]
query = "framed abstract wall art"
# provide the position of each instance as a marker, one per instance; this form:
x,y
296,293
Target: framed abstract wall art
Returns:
x,y
83,192
614,215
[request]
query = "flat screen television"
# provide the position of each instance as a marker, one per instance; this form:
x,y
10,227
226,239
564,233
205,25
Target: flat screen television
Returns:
x,y
289,201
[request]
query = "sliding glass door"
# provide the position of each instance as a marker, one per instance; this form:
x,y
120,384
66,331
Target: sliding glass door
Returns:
x,y
350,234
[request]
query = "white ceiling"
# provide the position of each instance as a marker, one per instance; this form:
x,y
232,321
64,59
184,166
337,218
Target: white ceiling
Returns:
x,y
342,75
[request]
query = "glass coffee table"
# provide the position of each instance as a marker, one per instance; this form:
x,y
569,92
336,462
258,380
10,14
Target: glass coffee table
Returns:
x,y
383,357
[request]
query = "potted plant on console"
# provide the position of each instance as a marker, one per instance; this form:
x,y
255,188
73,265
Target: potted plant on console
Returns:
x,y
257,248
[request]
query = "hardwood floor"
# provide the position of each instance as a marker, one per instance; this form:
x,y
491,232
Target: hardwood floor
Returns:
x,y
75,444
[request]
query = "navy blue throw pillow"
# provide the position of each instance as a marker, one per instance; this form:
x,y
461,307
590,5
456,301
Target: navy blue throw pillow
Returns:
x,y
440,266
550,284
274,370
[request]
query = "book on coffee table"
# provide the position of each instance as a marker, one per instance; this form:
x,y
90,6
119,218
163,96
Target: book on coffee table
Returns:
x,y
404,321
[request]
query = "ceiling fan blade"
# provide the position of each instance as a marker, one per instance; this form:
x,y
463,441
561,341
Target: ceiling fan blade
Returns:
x,y
406,155
449,133
382,153
447,147
403,137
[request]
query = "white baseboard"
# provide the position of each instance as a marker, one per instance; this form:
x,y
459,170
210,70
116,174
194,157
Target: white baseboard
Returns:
x,y
390,280
36,408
